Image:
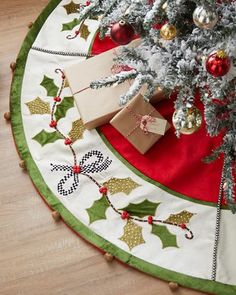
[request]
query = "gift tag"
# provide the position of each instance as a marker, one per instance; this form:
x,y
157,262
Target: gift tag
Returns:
x,y
156,125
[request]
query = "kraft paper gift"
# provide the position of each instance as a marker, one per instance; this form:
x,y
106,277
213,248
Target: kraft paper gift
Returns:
x,y
96,106
140,123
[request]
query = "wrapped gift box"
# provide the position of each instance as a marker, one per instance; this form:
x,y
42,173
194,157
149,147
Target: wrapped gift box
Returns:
x,y
158,95
140,123
96,106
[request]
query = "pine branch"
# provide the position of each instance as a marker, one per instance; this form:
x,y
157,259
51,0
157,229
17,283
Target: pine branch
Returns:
x,y
114,80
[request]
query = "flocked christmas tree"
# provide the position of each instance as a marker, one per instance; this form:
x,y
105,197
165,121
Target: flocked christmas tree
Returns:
x,y
188,47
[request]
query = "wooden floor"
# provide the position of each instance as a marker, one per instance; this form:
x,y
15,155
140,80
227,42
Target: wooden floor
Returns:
x,y
37,255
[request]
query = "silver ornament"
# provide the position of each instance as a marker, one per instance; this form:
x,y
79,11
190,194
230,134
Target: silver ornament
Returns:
x,y
205,17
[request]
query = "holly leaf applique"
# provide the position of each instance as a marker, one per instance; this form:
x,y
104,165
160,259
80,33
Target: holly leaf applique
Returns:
x,y
70,26
124,185
38,106
77,130
167,238
84,32
132,235
63,107
50,86
45,137
142,209
179,218
72,7
98,210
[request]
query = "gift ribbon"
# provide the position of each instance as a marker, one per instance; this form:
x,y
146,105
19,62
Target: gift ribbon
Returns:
x,y
142,120
92,162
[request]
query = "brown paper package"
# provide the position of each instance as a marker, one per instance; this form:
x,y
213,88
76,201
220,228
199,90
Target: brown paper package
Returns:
x,y
124,122
96,106
158,95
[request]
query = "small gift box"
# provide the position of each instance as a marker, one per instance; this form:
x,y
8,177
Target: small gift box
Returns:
x,y
158,95
140,123
97,106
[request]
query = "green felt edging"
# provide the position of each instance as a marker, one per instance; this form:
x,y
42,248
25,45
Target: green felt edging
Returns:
x,y
52,200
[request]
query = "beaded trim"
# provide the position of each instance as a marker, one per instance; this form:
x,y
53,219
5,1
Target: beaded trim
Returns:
x,y
63,53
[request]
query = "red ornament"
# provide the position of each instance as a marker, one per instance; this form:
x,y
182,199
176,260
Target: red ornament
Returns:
x,y
122,32
76,169
218,64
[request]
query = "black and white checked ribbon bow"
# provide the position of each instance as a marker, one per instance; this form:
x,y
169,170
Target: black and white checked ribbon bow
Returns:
x,y
92,162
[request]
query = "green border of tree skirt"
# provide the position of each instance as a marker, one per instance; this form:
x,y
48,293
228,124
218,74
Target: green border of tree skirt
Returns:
x,y
55,204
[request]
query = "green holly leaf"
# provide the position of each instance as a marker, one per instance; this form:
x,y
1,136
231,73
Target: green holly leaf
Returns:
x,y
84,32
63,107
167,238
70,26
45,137
118,185
50,86
98,210
142,209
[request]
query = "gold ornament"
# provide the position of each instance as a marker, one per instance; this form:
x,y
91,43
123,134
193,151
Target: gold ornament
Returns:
x,y
187,122
164,6
168,32
205,17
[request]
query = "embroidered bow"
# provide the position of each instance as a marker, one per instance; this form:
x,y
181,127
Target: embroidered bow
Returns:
x,y
92,162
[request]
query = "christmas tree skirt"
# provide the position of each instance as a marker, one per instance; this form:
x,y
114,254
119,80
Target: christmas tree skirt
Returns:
x,y
156,212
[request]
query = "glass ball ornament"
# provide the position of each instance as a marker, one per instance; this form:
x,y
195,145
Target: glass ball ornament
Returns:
x,y
168,32
187,121
122,32
218,63
205,17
